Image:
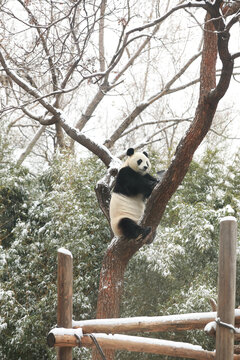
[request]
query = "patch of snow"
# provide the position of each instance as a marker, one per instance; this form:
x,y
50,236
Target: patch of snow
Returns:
x,y
228,218
210,327
64,331
3,326
65,251
206,316
150,341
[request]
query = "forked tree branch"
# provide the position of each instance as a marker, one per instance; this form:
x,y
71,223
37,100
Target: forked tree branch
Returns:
x,y
207,105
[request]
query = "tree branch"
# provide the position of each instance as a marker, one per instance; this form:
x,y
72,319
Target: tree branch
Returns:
x,y
141,107
165,16
103,73
101,36
27,87
31,145
101,151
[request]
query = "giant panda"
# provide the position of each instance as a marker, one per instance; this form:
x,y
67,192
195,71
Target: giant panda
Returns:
x,y
133,186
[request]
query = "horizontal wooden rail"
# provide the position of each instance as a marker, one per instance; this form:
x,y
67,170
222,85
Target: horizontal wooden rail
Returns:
x,y
150,324
57,338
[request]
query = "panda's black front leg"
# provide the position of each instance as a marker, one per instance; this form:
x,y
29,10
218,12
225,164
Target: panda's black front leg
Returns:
x,y
148,184
151,179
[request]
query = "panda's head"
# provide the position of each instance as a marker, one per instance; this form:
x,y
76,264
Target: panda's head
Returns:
x,y
138,161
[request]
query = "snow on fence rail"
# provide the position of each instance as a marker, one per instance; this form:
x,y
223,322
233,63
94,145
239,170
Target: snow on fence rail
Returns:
x,y
151,324
85,333
132,343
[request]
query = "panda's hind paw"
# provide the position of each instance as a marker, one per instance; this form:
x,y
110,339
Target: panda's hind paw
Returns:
x,y
145,232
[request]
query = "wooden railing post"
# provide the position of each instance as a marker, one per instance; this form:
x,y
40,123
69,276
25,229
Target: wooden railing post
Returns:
x,y
226,288
65,292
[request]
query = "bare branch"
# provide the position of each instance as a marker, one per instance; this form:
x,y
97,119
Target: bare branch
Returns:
x,y
101,36
45,47
31,145
101,151
174,79
27,87
43,26
165,16
116,58
139,108
134,128
101,93
236,55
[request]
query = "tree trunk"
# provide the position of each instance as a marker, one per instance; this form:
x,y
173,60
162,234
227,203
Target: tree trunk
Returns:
x,y
121,251
110,291
59,137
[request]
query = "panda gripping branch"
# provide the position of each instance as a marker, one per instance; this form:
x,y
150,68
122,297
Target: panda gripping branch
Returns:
x,y
133,186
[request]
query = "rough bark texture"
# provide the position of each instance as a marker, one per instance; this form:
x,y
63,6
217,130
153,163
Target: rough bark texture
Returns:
x,y
121,251
110,291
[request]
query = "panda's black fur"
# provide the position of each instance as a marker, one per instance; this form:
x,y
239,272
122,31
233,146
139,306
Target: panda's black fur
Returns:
x,y
131,183
132,188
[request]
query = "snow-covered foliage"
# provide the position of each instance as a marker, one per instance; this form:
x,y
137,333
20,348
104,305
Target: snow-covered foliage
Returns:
x,y
177,273
15,188
60,211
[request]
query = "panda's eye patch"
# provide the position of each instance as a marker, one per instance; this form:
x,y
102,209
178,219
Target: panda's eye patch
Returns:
x,y
139,161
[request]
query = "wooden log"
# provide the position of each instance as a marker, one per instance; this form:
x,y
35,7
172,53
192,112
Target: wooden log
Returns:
x,y
210,329
65,292
150,324
132,343
226,288
237,335
236,349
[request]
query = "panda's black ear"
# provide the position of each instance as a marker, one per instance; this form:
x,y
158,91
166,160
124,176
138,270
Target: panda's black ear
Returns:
x,y
145,153
130,152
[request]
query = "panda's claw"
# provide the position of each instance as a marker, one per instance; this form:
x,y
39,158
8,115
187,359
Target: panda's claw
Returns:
x,y
145,232
140,237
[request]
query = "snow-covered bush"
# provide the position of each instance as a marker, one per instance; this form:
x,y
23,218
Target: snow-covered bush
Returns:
x,y
15,189
62,211
177,273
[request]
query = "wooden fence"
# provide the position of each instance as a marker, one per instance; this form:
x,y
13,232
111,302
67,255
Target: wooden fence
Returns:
x,y
107,332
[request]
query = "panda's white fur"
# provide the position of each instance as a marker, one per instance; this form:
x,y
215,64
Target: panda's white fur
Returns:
x,y
122,206
132,207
